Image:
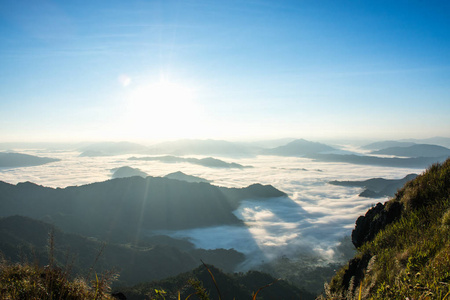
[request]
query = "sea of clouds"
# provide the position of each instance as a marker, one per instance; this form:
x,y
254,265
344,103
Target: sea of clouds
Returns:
x,y
312,219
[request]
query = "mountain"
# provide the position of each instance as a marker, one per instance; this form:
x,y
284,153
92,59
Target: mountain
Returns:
x,y
206,162
129,206
112,148
270,143
231,286
17,160
437,140
183,177
403,244
203,147
419,150
26,239
413,162
126,171
377,187
387,144
299,147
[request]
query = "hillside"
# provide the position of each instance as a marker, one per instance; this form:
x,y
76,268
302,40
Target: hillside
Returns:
x,y
25,239
403,245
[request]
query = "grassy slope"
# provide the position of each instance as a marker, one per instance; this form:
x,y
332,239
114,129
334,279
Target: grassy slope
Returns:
x,y
411,256
31,281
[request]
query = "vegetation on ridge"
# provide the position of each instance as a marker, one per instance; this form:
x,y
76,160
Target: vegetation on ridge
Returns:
x,y
409,255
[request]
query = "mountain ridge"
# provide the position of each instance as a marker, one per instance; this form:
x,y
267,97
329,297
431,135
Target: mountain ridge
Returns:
x,y
127,206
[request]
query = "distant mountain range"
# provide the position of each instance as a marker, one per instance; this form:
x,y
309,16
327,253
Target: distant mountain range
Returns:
x,y
440,141
16,160
112,148
325,153
299,147
386,144
437,140
414,162
206,162
418,150
377,187
203,147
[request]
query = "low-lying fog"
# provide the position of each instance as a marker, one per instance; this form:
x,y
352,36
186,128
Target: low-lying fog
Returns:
x,y
314,218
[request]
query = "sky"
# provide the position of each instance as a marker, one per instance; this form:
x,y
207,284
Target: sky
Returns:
x,y
161,70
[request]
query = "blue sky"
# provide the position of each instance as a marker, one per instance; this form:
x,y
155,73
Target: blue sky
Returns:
x,y
138,70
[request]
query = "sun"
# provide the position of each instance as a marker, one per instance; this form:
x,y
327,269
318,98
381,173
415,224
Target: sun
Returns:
x,y
163,108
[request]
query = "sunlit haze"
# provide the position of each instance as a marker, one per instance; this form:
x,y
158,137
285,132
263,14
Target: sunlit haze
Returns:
x,y
161,70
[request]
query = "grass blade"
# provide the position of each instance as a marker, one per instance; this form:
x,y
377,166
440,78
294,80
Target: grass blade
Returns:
x,y
214,280
263,287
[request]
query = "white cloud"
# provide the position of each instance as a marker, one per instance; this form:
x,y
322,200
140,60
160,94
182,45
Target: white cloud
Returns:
x,y
312,220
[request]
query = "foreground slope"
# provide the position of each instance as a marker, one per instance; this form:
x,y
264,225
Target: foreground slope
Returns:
x,y
403,245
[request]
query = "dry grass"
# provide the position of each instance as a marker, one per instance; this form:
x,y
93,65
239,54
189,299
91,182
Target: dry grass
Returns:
x,y
31,281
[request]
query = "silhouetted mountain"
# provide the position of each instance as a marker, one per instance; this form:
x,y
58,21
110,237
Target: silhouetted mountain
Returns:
x,y
203,147
416,162
377,187
206,162
387,144
420,150
17,160
112,148
119,209
299,147
189,178
126,171
22,238
231,286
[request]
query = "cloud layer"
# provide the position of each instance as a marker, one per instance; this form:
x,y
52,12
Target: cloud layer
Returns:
x,y
312,219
